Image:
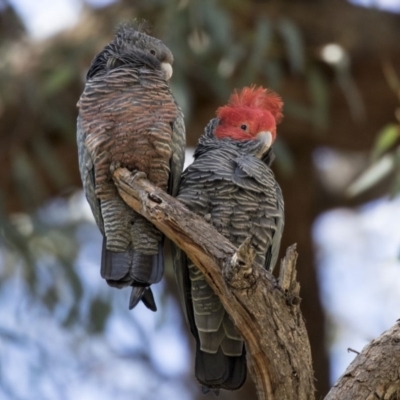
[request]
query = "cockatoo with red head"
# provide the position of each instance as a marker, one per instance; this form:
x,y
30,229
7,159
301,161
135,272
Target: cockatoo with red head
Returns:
x,y
231,185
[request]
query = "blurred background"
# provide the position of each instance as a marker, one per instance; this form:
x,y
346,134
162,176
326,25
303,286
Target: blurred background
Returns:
x,y
64,334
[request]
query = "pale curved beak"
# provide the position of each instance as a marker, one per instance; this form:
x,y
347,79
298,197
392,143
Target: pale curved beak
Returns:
x,y
167,68
266,138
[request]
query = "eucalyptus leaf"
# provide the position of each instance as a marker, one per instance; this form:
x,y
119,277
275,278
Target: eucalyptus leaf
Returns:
x,y
351,92
219,26
372,175
319,93
98,314
262,42
386,138
294,45
391,77
58,80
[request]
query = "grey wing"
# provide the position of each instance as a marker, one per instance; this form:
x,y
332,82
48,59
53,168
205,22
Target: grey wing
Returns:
x,y
178,153
255,176
176,167
182,280
86,169
280,222
198,204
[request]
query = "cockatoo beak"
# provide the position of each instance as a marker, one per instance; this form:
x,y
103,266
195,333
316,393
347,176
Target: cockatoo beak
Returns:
x,y
167,68
266,138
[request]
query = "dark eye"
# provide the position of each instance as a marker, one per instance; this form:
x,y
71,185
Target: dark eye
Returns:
x,y
244,127
153,52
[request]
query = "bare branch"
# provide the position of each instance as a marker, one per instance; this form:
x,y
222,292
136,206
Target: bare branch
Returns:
x,y
375,373
269,320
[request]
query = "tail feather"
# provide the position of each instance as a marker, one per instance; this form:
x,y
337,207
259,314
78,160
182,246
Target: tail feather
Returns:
x,y
129,268
137,294
232,347
148,300
114,265
218,371
145,294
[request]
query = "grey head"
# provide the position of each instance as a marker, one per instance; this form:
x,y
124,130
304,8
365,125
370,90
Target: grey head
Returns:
x,y
133,47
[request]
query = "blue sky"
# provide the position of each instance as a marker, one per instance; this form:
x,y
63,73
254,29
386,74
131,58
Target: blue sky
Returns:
x,y
46,17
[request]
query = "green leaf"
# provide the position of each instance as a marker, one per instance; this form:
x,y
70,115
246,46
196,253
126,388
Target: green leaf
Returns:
x,y
60,78
219,26
293,43
391,76
387,137
351,93
98,315
319,93
262,42
370,177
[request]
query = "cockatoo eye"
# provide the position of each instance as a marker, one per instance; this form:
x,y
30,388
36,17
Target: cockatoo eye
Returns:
x,y
244,127
153,52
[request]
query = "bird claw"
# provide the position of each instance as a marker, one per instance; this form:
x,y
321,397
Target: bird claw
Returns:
x,y
138,174
114,166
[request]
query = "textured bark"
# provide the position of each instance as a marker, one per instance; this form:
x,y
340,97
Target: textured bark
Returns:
x,y
266,312
375,372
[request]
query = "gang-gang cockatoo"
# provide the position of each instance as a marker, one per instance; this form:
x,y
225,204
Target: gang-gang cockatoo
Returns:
x,y
231,185
128,118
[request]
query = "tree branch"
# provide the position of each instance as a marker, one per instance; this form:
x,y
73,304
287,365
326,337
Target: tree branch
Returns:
x,y
266,312
375,373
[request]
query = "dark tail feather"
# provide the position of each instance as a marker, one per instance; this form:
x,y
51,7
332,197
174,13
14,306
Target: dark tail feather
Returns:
x,y
218,371
115,267
145,294
122,269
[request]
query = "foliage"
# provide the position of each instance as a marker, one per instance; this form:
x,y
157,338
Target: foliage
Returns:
x,y
385,154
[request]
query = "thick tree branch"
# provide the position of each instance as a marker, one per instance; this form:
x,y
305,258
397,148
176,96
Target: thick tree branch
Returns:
x,y
375,373
266,313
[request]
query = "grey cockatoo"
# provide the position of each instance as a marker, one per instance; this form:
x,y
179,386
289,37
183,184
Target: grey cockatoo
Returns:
x,y
231,185
129,118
